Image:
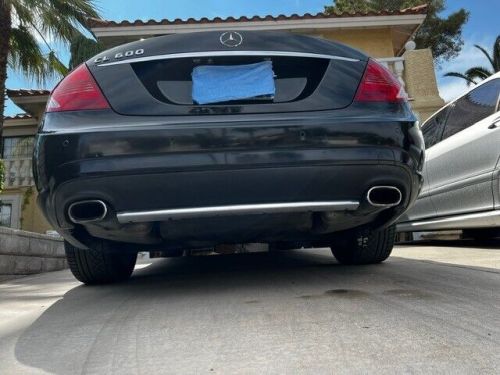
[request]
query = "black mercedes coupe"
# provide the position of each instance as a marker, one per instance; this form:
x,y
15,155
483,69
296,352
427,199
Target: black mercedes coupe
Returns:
x,y
193,141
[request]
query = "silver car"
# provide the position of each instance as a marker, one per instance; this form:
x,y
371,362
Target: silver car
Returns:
x,y
462,169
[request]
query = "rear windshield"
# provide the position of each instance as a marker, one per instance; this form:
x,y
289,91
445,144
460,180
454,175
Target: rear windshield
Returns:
x,y
171,81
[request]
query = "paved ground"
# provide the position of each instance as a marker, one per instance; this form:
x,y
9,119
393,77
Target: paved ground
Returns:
x,y
430,308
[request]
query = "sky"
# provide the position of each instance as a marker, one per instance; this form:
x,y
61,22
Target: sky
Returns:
x,y
482,28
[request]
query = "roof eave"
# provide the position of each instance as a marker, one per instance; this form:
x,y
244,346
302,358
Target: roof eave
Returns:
x,y
34,105
19,121
299,24
29,99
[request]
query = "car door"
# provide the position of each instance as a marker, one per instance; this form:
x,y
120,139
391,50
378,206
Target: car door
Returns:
x,y
432,130
460,167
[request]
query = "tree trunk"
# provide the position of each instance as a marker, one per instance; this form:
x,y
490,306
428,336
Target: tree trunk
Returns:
x,y
5,30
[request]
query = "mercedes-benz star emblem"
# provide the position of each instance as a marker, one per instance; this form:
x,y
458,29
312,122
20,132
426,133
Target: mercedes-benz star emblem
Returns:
x,y
231,39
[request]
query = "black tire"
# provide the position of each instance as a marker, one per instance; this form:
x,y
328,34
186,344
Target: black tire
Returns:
x,y
100,265
365,246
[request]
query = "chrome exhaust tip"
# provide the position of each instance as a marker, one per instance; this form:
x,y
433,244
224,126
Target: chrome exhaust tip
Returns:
x,y
87,211
384,196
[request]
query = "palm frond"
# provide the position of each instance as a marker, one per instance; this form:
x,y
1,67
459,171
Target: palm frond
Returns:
x,y
78,10
57,27
56,65
22,12
460,75
58,20
496,54
25,54
61,20
478,72
490,59
45,22
82,49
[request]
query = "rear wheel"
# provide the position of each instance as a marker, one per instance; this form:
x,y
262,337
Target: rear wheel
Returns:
x,y
100,265
365,246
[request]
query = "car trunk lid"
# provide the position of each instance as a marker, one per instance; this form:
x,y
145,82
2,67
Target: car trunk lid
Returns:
x,y
154,77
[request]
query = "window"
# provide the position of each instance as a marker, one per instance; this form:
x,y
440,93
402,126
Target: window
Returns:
x,y
18,147
433,128
473,107
5,215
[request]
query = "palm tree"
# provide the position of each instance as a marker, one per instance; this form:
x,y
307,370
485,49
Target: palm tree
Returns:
x,y
25,28
82,49
479,72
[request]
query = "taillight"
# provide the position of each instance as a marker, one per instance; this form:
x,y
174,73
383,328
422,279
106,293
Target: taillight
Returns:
x,y
379,85
77,91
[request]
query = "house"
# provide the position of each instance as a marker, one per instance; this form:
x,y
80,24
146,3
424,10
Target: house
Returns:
x,y
383,35
18,208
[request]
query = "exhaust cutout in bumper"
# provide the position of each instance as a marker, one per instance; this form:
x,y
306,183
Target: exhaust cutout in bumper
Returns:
x,y
384,196
87,211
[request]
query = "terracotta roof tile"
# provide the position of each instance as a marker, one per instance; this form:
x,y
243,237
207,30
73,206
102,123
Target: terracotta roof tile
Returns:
x,y
94,23
19,116
24,92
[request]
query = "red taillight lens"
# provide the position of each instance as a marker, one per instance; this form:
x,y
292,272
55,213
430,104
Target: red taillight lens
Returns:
x,y
379,85
77,91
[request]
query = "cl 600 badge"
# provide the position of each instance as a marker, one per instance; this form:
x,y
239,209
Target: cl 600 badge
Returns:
x,y
120,55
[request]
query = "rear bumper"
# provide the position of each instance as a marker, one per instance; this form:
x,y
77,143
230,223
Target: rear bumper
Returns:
x,y
146,198
144,171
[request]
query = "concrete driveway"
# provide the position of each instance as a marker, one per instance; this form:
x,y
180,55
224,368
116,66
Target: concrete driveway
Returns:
x,y
430,308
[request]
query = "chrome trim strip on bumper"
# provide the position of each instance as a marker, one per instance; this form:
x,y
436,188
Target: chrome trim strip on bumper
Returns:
x,y
241,209
476,220
227,53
